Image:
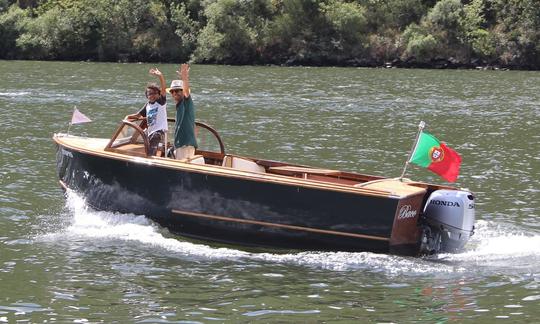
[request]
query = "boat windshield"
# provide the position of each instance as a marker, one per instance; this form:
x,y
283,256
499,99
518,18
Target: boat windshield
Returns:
x,y
206,140
130,137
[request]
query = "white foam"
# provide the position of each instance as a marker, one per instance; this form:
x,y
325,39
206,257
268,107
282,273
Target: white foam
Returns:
x,y
14,94
490,243
92,224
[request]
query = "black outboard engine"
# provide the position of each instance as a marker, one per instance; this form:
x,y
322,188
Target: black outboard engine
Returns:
x,y
448,221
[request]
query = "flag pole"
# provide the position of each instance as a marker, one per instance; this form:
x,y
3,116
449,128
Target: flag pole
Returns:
x,y
71,121
420,128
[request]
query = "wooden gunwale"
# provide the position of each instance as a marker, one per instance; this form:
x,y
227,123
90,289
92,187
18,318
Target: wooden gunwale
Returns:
x,y
219,170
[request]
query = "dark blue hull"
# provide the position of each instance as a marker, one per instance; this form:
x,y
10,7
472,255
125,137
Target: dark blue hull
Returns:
x,y
237,209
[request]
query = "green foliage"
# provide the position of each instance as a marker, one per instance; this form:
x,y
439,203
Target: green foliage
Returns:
x,y
348,21
518,31
446,15
4,5
106,30
186,29
420,44
310,32
230,35
11,23
317,31
153,36
439,33
479,39
395,14
299,33
385,47
483,44
422,47
56,34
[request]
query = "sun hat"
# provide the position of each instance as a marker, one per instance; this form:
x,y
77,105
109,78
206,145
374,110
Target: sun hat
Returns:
x,y
175,85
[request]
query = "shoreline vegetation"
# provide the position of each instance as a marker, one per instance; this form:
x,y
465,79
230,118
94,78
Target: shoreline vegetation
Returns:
x,y
443,34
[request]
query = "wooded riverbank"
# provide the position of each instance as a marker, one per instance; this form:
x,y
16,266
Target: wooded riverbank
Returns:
x,y
375,33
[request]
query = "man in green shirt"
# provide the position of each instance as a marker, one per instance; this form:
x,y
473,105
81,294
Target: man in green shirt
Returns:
x,y
185,142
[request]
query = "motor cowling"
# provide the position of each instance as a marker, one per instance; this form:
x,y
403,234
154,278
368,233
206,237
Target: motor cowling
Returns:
x,y
448,221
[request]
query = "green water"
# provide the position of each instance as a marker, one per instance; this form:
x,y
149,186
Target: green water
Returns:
x,y
63,262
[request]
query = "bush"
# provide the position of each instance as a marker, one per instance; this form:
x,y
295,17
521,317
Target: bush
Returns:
x,y
229,36
50,36
308,32
186,29
481,41
11,23
517,31
446,15
421,45
393,14
348,26
385,48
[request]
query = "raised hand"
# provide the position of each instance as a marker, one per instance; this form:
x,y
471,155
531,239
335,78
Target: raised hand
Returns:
x,y
183,73
155,71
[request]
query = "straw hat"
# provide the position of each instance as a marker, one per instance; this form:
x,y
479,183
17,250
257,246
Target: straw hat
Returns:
x,y
175,85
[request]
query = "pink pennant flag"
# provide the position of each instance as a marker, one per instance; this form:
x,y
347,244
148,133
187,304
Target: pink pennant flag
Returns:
x,y
79,118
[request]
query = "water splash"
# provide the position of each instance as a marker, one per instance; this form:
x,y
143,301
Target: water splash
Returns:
x,y
491,245
14,94
92,224
495,242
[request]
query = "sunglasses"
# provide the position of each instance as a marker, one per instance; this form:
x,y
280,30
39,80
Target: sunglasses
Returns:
x,y
176,90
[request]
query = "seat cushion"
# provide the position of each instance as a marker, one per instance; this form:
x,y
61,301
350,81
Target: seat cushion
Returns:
x,y
240,163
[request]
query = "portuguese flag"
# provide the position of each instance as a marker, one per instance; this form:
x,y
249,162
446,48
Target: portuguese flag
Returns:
x,y
436,156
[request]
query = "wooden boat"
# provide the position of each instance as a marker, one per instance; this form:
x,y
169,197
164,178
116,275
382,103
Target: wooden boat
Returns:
x,y
228,198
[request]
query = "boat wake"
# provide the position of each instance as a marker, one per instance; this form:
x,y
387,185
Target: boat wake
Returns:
x,y
492,246
128,228
500,242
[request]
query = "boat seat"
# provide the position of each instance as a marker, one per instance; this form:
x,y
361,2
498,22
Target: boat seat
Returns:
x,y
240,163
196,159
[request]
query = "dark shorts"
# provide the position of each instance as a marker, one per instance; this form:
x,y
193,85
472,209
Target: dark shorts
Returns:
x,y
155,138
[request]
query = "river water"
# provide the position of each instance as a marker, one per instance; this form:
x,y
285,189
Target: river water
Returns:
x,y
61,261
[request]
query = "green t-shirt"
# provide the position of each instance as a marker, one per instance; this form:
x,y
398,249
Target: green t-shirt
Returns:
x,y
184,130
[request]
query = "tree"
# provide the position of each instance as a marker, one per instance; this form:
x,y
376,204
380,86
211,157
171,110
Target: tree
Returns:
x,y
297,33
348,28
518,31
421,45
439,33
11,22
56,34
479,39
233,31
308,32
393,14
187,30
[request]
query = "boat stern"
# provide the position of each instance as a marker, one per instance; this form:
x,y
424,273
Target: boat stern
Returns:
x,y
406,233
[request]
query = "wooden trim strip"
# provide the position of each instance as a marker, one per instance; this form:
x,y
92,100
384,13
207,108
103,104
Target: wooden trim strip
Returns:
x,y
63,184
290,227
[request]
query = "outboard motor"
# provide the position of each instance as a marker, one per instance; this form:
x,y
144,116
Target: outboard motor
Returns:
x,y
448,221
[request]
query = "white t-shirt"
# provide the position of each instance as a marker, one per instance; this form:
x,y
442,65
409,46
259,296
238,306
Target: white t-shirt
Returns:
x,y
156,115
